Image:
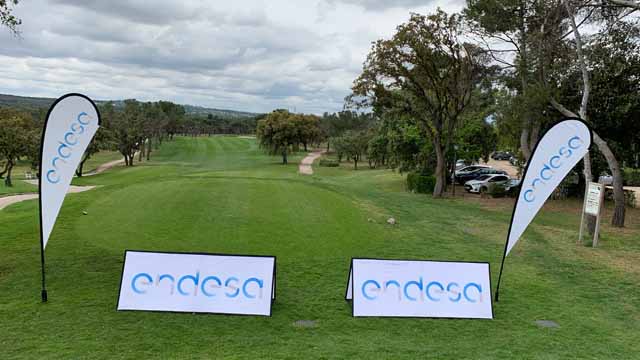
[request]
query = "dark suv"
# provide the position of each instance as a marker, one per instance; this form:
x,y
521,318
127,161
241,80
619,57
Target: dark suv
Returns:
x,y
472,175
501,155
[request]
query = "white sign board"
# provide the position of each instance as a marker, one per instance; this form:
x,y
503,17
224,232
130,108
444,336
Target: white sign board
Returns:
x,y
204,283
594,197
407,288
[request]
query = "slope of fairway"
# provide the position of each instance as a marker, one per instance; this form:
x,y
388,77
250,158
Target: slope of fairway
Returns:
x,y
222,195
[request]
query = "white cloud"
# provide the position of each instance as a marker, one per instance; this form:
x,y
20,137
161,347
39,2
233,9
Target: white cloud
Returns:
x,y
253,56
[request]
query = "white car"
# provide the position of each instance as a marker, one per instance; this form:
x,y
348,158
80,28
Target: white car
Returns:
x,y
481,184
471,168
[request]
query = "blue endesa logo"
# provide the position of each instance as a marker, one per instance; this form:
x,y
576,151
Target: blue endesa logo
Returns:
x,y
65,149
548,169
417,290
188,285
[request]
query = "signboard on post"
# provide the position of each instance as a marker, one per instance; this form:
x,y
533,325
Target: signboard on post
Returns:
x,y
411,288
595,193
192,282
593,200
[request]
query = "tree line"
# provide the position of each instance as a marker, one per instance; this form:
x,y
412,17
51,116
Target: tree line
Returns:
x,y
500,73
133,128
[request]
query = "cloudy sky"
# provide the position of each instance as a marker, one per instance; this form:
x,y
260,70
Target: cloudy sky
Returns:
x,y
241,55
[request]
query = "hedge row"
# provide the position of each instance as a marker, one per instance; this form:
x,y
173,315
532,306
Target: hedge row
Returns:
x,y
420,183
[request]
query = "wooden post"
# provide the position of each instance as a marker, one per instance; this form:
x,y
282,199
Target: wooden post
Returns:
x,y
596,235
584,206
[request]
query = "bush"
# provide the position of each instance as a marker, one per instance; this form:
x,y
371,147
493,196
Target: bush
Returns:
x,y
631,177
513,191
329,163
629,197
420,183
497,190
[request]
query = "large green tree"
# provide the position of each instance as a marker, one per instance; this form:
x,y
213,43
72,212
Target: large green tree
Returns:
x,y
352,145
278,133
427,72
16,131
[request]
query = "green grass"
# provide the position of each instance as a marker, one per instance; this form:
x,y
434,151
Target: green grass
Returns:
x,y
221,194
18,187
100,158
18,172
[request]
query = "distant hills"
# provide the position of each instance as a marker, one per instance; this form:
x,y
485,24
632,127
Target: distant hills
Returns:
x,y
27,102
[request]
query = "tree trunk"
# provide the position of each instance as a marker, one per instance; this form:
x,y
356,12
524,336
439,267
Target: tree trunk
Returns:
x,y
355,162
7,180
284,157
618,190
81,166
149,150
441,170
524,142
141,152
6,167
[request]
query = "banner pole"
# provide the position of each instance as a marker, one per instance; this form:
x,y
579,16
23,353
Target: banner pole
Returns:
x,y
43,292
504,256
44,286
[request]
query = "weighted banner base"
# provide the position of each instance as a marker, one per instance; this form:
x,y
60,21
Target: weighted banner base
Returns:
x,y
44,296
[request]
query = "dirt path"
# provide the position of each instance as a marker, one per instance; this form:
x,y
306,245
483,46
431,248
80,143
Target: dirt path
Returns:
x,y
305,165
104,167
12,199
9,200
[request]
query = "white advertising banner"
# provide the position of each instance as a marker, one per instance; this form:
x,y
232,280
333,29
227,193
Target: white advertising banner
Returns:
x,y
204,283
555,155
70,125
411,288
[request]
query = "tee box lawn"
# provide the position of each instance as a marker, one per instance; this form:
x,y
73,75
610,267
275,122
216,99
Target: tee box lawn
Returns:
x,y
223,195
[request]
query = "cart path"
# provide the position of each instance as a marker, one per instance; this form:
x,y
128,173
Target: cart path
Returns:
x,y
305,165
10,200
106,166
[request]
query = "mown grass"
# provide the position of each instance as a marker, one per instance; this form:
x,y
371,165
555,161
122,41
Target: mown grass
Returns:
x,y
221,194
23,167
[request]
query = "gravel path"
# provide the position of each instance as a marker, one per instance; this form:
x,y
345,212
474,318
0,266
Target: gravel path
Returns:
x,y
9,200
305,165
104,167
12,199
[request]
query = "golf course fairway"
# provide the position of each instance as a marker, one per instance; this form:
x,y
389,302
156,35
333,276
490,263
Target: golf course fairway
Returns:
x,y
224,195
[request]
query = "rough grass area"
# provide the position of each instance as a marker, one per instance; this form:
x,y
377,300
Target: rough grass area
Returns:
x,y
221,194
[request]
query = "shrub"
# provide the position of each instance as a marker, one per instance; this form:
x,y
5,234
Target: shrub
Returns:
x,y
631,177
629,197
513,191
496,190
329,163
420,183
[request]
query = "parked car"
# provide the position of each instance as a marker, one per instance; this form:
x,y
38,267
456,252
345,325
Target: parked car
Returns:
x,y
460,164
605,179
471,168
501,155
481,184
511,184
463,177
